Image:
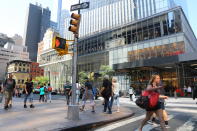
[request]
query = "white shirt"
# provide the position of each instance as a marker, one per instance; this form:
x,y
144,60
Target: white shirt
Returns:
x,y
189,89
116,88
131,91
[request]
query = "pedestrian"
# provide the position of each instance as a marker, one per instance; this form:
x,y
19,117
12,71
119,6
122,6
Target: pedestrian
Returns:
x,y
88,94
131,93
78,88
49,91
195,92
29,93
107,93
185,90
9,87
45,93
67,91
189,91
42,92
116,90
153,86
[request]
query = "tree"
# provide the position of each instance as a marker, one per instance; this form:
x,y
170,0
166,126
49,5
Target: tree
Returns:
x,y
82,76
106,70
41,80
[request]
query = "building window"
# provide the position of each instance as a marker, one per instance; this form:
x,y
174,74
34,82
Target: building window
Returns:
x,y
19,69
24,69
20,64
15,68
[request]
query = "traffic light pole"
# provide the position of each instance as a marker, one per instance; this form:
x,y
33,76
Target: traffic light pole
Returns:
x,y
73,109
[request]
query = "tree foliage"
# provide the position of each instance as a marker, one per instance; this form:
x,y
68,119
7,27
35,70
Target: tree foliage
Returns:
x,y
106,70
41,80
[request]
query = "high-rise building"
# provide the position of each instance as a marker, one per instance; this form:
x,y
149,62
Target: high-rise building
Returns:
x,y
53,26
59,10
37,22
138,38
108,14
64,15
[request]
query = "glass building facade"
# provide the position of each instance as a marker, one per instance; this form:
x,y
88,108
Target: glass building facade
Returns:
x,y
107,14
158,43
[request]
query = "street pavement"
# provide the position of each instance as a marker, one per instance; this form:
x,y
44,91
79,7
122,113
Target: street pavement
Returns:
x,y
53,116
182,114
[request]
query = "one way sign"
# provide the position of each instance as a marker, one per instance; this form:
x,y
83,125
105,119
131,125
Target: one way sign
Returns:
x,y
84,5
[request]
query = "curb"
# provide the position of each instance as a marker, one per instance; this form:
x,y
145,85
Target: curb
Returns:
x,y
92,125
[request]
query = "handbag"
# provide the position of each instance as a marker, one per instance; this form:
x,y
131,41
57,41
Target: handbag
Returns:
x,y
153,98
148,100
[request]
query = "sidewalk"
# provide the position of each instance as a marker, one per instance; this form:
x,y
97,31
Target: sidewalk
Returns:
x,y
53,116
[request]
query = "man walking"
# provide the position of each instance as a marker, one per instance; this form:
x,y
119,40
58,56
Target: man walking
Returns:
x,y
67,91
9,86
29,93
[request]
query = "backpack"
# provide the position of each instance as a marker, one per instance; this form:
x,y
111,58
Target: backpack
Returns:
x,y
45,89
50,89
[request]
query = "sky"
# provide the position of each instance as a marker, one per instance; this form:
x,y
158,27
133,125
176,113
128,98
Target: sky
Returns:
x,y
13,13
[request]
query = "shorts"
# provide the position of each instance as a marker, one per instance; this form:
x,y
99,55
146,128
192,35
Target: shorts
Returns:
x,y
159,106
8,95
162,105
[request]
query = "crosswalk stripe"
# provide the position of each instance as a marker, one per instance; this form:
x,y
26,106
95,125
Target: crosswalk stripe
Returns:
x,y
149,127
187,126
181,110
122,123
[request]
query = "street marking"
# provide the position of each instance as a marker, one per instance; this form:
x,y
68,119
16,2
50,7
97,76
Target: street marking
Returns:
x,y
122,123
149,127
187,126
182,110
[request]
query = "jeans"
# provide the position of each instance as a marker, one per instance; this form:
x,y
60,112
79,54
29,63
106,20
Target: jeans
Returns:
x,y
49,96
30,96
41,98
116,98
67,98
108,104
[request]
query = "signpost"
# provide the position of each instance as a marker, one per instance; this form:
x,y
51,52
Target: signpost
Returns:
x,y
73,109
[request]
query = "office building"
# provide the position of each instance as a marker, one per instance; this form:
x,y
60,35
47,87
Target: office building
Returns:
x,y
137,39
59,11
37,22
107,14
20,71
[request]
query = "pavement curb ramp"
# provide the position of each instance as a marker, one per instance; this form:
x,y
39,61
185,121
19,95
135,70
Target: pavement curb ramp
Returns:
x,y
93,125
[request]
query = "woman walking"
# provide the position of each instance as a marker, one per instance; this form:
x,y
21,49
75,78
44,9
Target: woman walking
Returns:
x,y
42,93
88,94
116,89
153,86
107,93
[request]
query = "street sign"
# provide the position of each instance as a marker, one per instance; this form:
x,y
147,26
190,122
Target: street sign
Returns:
x,y
84,5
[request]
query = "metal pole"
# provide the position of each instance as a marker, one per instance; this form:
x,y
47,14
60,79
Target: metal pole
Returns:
x,y
73,109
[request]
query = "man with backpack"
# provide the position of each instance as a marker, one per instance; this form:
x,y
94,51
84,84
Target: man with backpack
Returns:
x,y
67,91
28,93
9,86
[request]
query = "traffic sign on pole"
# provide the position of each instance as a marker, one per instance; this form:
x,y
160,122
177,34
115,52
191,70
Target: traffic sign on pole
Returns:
x,y
84,5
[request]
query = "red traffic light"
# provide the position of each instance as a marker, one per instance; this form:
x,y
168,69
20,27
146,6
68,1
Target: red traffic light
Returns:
x,y
60,43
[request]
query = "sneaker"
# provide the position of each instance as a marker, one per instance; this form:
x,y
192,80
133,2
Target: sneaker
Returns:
x,y
93,111
6,107
109,112
167,126
104,111
32,106
150,122
25,106
10,106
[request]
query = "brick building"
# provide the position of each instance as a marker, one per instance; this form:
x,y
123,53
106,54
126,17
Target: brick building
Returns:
x,y
35,70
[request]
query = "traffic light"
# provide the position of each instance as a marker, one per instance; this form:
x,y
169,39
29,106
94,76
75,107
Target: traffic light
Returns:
x,y
59,43
75,21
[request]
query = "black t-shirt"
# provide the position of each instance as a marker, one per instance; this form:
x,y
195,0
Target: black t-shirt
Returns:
x,y
29,87
88,85
107,88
